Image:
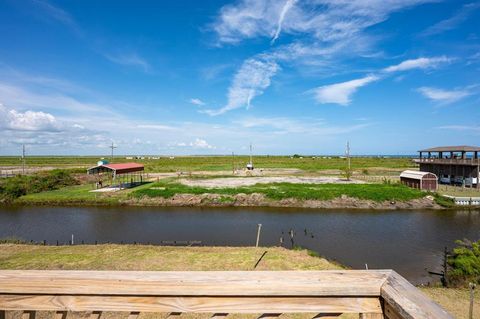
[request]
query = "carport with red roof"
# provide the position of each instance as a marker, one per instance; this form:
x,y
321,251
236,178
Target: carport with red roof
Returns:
x,y
125,174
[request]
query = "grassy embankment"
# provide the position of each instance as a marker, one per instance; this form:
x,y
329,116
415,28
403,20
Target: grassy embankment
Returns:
x,y
275,191
279,191
136,257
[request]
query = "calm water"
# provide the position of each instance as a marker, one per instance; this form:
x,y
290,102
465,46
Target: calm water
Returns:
x,y
406,241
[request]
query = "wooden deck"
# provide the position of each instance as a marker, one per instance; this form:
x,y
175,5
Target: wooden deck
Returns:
x,y
372,294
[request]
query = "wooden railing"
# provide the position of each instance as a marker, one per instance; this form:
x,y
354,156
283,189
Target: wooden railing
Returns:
x,y
370,293
448,161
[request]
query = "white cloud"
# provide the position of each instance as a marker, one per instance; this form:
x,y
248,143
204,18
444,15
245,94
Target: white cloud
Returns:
x,y
324,30
197,102
287,6
157,127
340,93
200,143
444,96
251,80
11,119
129,59
451,23
420,63
325,20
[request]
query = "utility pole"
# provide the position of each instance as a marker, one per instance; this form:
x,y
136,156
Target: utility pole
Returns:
x,y
251,160
112,147
347,153
23,159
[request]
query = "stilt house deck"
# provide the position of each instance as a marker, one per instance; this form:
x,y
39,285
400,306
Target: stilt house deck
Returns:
x,y
326,294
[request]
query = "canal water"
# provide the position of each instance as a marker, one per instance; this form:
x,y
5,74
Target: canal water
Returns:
x,y
408,241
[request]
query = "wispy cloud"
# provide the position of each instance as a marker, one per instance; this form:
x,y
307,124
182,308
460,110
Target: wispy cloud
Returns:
x,y
197,102
283,125
324,30
288,4
253,77
340,93
325,20
57,14
451,23
420,63
159,127
130,59
444,96
464,128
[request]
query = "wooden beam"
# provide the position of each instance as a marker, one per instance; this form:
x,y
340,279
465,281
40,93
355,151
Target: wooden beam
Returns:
x,y
28,314
409,302
60,315
192,304
133,315
194,283
96,315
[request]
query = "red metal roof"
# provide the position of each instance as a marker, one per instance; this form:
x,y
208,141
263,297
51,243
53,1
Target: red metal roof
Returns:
x,y
125,167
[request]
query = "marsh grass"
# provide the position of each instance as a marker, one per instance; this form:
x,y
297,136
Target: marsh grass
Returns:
x,y
279,191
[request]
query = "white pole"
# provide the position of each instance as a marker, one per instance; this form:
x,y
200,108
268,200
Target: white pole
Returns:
x,y
72,239
258,234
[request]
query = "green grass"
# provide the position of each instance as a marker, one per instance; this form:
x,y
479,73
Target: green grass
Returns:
x,y
147,257
279,191
68,195
217,163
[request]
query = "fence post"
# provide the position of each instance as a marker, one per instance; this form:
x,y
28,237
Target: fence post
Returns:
x,y
258,234
472,291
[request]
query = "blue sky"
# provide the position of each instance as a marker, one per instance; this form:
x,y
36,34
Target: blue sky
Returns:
x,y
209,77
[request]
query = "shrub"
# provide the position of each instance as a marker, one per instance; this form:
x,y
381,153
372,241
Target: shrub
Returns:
x,y
20,185
465,262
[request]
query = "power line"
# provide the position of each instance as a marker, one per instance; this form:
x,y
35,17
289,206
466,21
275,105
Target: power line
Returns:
x,y
23,159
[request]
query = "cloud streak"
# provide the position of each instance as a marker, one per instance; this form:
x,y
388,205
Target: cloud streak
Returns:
x,y
419,63
340,93
451,23
444,96
130,59
251,80
288,4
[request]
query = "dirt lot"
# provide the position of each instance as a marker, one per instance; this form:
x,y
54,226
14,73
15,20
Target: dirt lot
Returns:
x,y
249,181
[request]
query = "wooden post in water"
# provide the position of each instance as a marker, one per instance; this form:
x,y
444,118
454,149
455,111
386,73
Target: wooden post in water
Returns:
x,y
258,234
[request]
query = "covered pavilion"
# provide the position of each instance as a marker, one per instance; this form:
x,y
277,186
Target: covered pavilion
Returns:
x,y
122,175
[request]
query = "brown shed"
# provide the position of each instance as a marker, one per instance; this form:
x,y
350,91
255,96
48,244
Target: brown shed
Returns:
x,y
421,180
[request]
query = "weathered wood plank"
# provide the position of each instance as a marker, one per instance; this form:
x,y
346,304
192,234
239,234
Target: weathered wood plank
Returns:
x,y
371,316
409,302
193,304
389,312
208,283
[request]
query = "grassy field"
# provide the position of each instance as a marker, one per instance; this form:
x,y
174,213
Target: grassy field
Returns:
x,y
136,257
219,163
279,191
